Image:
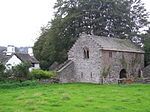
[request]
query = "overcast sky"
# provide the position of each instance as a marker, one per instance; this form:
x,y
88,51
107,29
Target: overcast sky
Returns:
x,y
21,20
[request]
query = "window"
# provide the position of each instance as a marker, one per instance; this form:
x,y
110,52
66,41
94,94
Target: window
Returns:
x,y
86,53
140,73
110,54
32,64
91,75
81,74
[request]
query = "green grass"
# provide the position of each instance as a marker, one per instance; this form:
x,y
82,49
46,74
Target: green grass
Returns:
x,y
76,98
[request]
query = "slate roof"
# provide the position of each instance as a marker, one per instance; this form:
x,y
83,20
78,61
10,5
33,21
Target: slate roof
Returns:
x,y
26,58
2,49
23,57
115,44
4,58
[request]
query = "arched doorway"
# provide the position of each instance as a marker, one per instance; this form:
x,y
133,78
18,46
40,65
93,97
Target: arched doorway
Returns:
x,y
123,74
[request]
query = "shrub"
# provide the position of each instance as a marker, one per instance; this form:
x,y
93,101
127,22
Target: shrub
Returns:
x,y
13,84
21,71
41,74
2,69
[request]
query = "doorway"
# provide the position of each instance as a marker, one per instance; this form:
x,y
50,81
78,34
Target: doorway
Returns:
x,y
123,74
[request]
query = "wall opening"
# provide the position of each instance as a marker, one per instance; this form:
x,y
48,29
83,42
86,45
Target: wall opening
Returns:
x,y
140,73
86,53
123,74
91,75
81,74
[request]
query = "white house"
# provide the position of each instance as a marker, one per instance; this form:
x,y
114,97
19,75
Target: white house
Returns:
x,y
11,58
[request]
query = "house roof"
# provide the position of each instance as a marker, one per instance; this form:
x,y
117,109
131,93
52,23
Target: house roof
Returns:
x,y
26,58
115,44
23,57
4,58
2,49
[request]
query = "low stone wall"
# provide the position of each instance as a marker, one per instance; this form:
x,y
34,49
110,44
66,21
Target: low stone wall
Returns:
x,y
146,72
51,81
66,73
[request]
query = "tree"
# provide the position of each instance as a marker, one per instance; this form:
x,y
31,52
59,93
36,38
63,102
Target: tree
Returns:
x,y
21,71
2,69
147,47
110,18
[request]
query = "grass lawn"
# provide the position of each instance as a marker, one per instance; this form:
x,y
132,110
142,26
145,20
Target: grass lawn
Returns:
x,y
76,98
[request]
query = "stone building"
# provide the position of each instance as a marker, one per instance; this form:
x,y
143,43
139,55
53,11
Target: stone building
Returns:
x,y
146,71
97,59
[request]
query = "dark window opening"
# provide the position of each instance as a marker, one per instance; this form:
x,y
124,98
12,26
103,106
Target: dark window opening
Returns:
x,y
139,73
32,64
86,53
91,75
123,74
81,74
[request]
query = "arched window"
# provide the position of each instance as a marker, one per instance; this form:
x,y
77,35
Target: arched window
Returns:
x,y
140,73
86,52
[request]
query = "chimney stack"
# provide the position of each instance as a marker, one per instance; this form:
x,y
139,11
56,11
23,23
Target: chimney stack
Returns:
x,y
10,50
30,51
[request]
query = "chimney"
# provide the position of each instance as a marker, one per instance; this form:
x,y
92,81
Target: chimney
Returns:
x,y
10,50
30,51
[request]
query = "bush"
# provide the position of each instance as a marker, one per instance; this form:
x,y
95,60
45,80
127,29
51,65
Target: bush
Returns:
x,y
20,72
41,74
3,75
13,84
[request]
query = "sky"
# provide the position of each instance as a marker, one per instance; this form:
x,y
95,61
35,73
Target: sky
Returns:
x,y
21,20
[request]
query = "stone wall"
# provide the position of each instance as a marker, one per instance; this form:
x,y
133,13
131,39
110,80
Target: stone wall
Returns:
x,y
66,73
86,70
115,61
146,72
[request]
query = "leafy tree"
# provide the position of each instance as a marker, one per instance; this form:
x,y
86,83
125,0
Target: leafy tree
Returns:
x,y
147,47
110,18
114,18
21,71
2,69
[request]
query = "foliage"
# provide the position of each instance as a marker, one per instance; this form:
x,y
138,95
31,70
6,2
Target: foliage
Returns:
x,y
110,18
41,74
2,69
147,47
21,71
13,84
76,98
